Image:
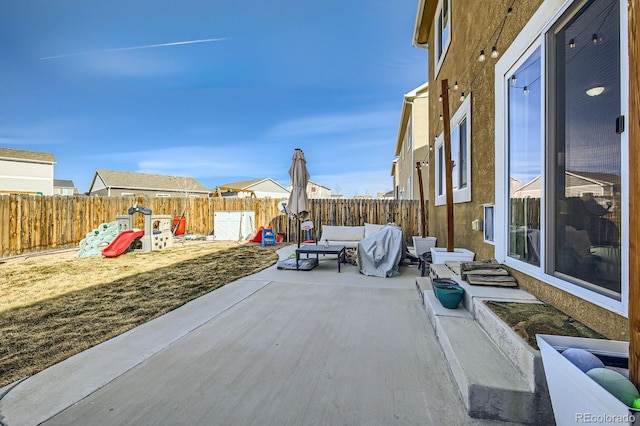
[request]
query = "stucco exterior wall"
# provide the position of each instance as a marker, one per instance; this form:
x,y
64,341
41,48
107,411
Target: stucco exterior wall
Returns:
x,y
472,25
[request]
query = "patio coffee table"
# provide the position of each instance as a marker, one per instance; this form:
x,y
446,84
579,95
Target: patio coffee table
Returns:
x,y
320,249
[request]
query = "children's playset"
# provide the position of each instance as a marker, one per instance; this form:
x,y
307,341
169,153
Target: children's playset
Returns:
x,y
119,236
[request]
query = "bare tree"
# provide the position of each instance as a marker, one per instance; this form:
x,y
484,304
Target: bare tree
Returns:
x,y
186,185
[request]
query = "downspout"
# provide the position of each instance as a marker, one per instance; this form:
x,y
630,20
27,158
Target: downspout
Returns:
x,y
412,152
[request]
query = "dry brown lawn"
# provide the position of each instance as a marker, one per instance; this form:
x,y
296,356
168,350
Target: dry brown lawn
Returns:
x,y
54,306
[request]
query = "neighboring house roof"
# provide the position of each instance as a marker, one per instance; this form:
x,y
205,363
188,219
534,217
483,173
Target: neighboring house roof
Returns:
x,y
394,165
316,184
146,181
243,184
62,183
603,179
32,156
310,183
251,184
573,179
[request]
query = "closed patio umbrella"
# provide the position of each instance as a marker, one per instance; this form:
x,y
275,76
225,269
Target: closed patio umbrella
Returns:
x,y
298,205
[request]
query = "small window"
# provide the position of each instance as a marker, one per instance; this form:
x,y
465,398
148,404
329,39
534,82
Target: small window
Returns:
x,y
127,194
442,32
163,195
488,223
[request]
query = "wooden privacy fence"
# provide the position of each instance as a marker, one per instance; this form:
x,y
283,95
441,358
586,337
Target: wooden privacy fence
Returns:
x,y
31,223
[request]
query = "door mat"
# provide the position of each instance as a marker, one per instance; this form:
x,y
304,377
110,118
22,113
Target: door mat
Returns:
x,y
303,264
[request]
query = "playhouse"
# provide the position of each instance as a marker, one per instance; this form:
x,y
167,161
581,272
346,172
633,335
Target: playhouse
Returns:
x,y
156,235
157,229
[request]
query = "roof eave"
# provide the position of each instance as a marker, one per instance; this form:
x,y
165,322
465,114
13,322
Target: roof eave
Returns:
x,y
28,160
424,21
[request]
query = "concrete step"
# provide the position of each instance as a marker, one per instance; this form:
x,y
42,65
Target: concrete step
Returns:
x,y
496,381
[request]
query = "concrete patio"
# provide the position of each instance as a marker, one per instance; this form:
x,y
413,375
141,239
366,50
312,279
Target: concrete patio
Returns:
x,y
275,348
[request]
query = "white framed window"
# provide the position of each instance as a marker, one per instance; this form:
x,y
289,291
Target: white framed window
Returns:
x,y
524,157
488,223
561,178
460,156
442,32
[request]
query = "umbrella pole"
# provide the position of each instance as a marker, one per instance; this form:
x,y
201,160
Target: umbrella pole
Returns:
x,y
298,231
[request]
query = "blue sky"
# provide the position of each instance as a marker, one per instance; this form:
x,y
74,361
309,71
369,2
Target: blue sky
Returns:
x,y
218,90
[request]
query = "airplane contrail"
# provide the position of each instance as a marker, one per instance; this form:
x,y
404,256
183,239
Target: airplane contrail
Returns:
x,y
122,49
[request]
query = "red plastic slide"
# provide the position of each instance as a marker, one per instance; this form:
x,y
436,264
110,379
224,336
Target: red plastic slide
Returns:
x,y
258,237
121,243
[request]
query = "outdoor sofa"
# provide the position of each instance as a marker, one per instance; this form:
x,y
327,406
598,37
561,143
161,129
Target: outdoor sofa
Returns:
x,y
348,236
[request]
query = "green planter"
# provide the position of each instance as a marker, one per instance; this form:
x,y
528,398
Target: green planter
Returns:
x,y
448,292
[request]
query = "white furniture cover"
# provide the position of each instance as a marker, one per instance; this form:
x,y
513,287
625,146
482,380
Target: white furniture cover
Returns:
x,y
379,255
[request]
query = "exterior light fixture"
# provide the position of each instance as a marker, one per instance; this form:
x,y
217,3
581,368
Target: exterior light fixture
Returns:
x,y
525,91
455,86
494,52
572,43
461,96
594,38
595,91
481,58
513,79
439,98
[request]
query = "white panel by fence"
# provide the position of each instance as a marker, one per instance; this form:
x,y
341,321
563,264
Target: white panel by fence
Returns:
x,y
234,225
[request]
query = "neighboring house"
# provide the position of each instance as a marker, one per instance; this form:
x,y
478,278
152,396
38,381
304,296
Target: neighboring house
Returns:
x,y
111,183
577,184
26,172
395,179
549,102
385,195
64,187
315,190
261,188
412,145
